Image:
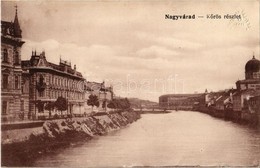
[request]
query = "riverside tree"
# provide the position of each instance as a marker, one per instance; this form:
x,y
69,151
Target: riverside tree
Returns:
x,y
104,104
61,104
122,104
50,107
93,101
111,105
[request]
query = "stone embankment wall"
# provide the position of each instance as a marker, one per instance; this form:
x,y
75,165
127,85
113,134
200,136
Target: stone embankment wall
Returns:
x,y
57,133
250,119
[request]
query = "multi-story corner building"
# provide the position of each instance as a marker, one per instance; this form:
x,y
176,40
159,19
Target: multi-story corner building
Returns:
x,y
48,81
104,94
13,104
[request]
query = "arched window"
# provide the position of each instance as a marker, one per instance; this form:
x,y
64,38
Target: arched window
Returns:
x,y
16,58
41,79
5,55
41,86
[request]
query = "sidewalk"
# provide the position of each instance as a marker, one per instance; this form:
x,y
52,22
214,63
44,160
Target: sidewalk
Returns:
x,y
38,123
21,124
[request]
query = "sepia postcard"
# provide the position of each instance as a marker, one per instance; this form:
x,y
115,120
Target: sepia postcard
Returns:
x,y
118,83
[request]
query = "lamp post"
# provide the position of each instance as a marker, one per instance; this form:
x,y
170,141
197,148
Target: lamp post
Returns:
x,y
175,82
105,101
35,98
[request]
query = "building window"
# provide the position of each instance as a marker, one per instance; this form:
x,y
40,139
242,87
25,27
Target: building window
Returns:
x,y
5,55
16,82
16,58
4,107
41,79
50,80
5,81
22,105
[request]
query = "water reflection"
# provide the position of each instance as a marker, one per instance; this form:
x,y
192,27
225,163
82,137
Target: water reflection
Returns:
x,y
178,138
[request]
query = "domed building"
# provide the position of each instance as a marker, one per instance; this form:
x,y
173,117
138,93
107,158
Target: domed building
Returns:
x,y
253,69
252,75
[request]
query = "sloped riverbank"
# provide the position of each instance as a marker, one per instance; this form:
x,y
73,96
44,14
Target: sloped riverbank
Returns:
x,y
60,133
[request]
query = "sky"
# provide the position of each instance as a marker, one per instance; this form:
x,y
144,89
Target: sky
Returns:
x,y
131,45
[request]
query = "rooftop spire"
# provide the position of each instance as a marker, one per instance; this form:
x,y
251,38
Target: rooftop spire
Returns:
x,y
17,29
16,9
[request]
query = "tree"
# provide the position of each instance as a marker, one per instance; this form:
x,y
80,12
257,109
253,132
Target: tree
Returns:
x,y
61,104
104,104
111,105
93,101
127,103
39,104
119,104
50,106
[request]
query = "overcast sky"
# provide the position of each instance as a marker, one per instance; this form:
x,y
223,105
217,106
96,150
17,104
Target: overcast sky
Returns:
x,y
132,46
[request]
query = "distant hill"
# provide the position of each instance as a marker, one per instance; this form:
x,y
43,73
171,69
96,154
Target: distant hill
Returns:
x,y
137,103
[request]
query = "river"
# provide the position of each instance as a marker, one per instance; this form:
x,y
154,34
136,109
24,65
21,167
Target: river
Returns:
x,y
177,138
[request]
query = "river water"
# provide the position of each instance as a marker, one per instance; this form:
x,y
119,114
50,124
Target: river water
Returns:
x,y
177,138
